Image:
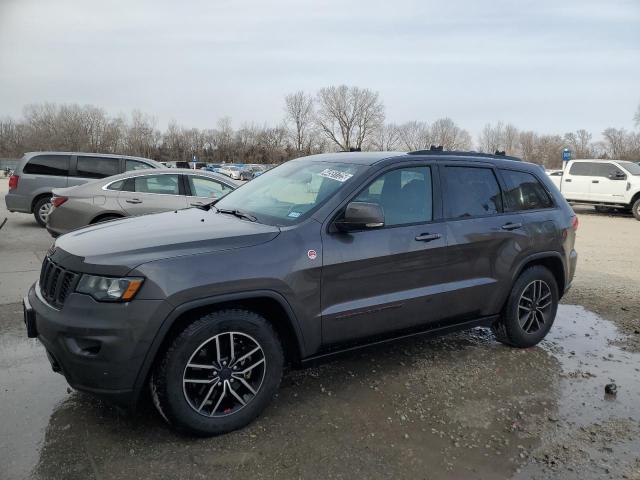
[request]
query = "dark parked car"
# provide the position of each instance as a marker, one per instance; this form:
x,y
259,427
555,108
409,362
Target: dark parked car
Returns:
x,y
205,305
38,173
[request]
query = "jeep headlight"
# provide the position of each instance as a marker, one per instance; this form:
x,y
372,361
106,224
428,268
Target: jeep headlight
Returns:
x,y
109,289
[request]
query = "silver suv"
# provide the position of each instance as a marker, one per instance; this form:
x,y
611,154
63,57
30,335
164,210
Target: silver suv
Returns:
x,y
38,173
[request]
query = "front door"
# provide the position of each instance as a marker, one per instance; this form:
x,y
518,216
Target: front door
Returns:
x,y
609,183
152,193
379,280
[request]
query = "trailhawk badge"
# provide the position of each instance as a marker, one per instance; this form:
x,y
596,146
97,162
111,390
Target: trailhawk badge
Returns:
x,y
312,254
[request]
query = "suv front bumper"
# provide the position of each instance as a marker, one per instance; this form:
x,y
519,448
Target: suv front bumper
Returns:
x,y
98,347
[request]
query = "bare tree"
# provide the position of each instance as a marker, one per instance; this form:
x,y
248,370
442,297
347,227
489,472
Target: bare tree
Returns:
x,y
636,117
491,138
447,134
299,119
415,135
580,143
385,138
348,116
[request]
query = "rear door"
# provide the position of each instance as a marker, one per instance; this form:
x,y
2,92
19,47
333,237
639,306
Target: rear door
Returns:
x,y
484,240
152,193
87,167
576,181
380,280
202,189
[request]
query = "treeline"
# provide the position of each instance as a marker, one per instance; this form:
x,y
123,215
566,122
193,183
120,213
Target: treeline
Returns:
x,y
334,118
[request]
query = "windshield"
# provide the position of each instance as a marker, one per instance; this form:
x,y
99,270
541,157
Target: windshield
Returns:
x,y
290,192
632,168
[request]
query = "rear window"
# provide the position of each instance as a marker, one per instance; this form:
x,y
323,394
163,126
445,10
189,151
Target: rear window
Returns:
x,y
471,192
97,167
524,191
48,165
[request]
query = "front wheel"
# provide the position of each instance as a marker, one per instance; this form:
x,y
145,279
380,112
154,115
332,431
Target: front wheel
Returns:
x,y
636,209
530,310
219,374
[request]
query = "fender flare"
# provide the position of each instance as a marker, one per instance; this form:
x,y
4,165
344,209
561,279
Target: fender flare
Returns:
x,y
540,256
169,321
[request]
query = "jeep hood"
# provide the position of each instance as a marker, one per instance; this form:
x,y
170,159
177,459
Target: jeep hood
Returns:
x,y
129,242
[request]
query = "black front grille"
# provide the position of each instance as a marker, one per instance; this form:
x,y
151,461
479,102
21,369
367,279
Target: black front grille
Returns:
x,y
56,283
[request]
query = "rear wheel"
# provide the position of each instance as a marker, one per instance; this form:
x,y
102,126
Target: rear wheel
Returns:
x,y
636,209
41,210
219,374
530,309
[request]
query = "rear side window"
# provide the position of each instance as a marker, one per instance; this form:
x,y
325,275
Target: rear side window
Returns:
x,y
48,165
405,195
135,165
97,167
583,169
116,185
161,184
471,192
524,191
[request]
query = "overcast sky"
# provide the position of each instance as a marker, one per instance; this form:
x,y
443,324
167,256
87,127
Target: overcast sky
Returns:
x,y
546,65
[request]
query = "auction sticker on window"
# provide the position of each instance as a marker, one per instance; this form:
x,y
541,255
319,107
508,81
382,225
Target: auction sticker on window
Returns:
x,y
335,175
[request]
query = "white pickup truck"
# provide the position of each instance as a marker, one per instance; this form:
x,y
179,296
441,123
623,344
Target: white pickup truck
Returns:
x,y
602,183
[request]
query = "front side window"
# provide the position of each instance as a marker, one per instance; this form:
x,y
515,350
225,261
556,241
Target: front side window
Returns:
x,y
207,187
524,191
160,184
405,195
290,192
135,165
97,167
632,168
471,192
48,165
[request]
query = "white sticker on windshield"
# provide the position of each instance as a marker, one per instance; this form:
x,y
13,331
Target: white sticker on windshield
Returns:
x,y
336,175
294,214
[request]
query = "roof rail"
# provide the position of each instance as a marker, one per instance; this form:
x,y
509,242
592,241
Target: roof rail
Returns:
x,y
439,151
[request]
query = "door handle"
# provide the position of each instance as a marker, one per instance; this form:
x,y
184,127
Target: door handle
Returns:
x,y
595,181
567,180
511,226
428,237
133,200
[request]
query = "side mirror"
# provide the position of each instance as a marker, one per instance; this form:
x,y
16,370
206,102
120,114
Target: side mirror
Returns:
x,y
361,216
617,175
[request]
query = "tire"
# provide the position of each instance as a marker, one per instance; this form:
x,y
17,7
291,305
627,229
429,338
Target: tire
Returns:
x,y
636,209
516,327
41,210
211,408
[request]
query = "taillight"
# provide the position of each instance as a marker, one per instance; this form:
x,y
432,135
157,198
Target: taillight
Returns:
x,y
13,182
575,223
57,201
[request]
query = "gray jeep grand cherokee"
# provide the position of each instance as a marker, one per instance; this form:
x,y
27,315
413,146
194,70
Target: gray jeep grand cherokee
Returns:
x,y
314,257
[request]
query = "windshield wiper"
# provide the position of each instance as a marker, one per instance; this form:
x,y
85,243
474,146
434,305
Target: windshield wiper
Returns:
x,y
237,213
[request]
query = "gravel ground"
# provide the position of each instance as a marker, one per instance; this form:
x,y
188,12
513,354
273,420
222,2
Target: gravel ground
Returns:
x,y
461,406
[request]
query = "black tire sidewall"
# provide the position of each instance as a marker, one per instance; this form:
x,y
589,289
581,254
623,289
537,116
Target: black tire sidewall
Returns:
x,y
635,210
516,334
176,406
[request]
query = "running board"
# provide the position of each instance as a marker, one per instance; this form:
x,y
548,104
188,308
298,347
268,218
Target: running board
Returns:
x,y
430,332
